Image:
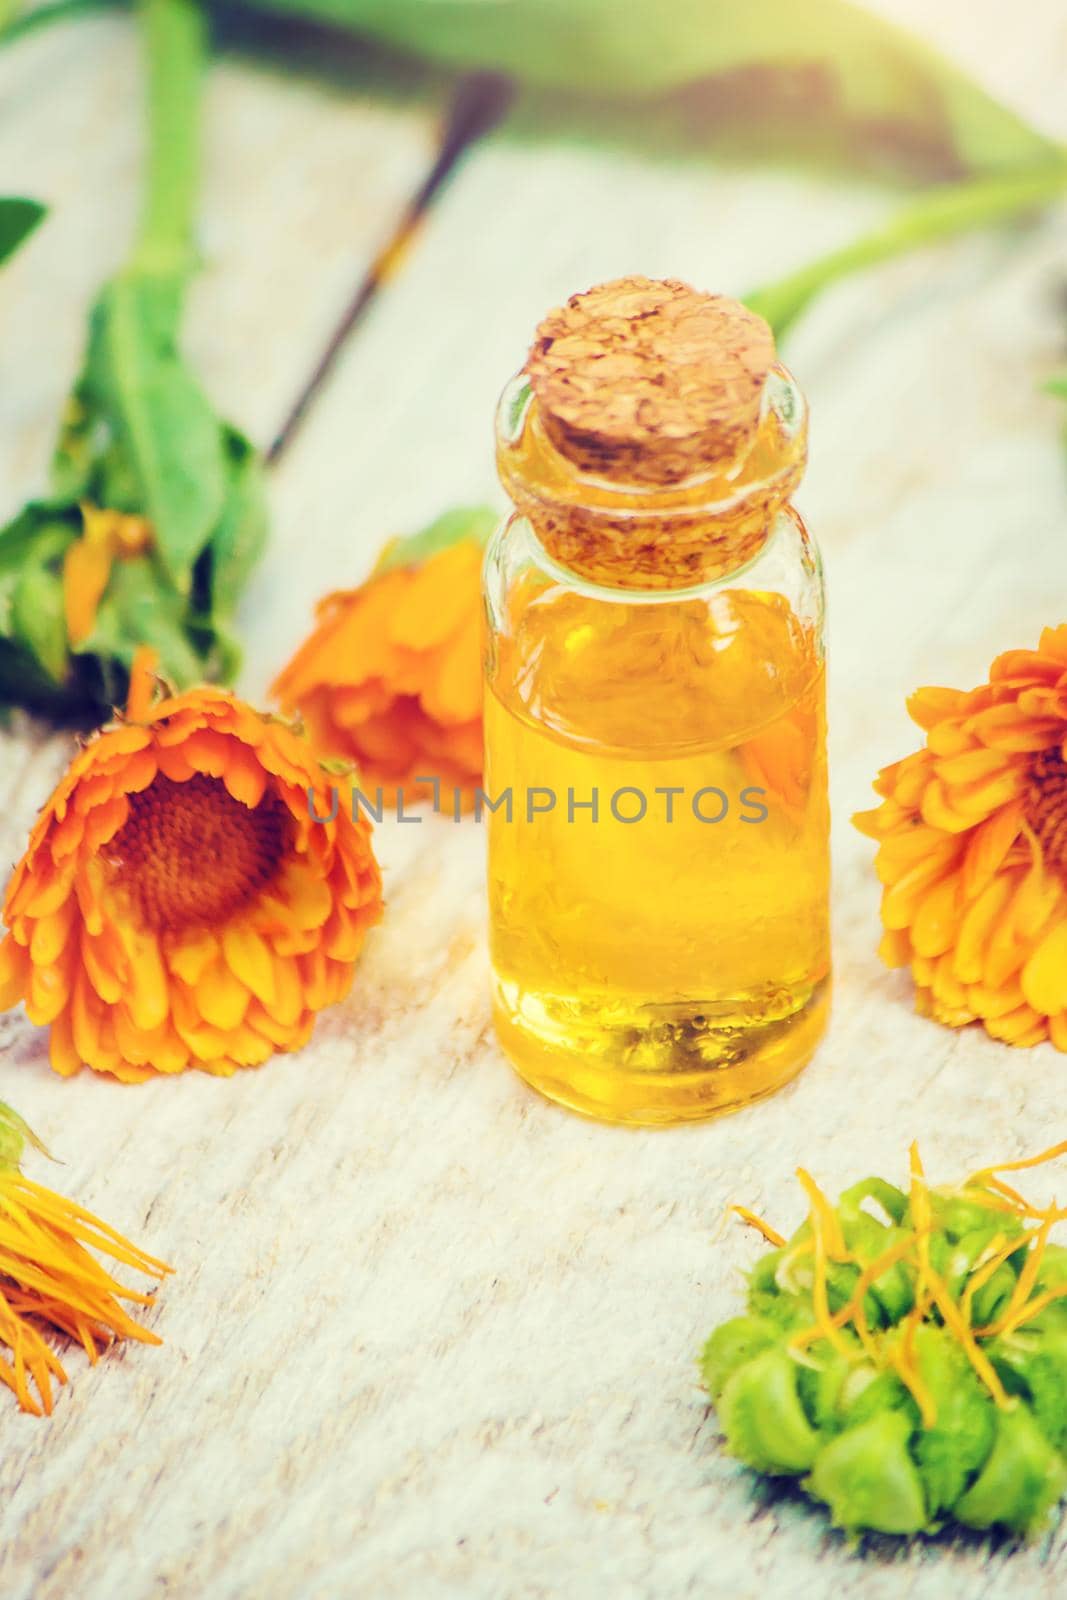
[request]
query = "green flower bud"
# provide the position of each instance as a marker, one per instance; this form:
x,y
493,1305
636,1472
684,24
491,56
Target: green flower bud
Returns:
x,y
903,1422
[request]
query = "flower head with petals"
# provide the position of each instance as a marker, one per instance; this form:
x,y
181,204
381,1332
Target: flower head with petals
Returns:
x,y
972,849
391,675
177,905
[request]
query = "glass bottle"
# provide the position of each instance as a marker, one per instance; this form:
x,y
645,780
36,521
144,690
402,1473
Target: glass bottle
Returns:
x,y
655,714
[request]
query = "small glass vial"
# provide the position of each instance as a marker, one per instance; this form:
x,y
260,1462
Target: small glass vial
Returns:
x,y
655,713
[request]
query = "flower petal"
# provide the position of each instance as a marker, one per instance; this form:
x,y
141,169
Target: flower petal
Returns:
x,y
192,954
51,932
61,1052
1044,977
249,959
147,995
221,999
14,969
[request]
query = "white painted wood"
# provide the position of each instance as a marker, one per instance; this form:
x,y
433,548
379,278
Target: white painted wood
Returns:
x,y
431,1337
302,186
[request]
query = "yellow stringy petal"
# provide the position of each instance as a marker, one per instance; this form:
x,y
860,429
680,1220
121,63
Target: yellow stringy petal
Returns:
x,y
771,1235
953,1320
902,1359
1031,1267
922,1222
993,1256
855,1311
1026,1313
1022,1165
1007,1199
821,1212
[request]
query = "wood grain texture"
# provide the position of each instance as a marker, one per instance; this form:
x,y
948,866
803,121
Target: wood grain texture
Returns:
x,y
431,1337
302,186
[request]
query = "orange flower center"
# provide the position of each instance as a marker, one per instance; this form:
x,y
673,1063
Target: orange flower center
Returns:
x,y
190,855
1046,805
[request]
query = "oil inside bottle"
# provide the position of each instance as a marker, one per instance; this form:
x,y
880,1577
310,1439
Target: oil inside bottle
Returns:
x,y
658,893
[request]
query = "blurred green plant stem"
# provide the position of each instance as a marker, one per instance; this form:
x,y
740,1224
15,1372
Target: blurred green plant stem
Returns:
x,y
156,509
174,47
937,214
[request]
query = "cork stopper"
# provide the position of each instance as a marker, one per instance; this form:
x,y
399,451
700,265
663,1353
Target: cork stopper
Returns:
x,y
649,382
651,439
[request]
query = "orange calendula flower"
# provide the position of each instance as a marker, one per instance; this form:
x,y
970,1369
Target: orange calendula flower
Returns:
x,y
972,834
391,675
49,1278
178,906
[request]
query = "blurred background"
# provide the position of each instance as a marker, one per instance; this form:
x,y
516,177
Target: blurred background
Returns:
x,y
393,192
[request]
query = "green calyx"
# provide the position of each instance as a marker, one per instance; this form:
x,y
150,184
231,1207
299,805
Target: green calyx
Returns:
x,y
904,1357
15,1135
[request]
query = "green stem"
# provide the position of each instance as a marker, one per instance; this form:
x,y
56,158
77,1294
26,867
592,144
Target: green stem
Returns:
x,y
941,214
173,36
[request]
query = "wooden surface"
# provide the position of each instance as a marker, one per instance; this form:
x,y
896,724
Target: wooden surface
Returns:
x,y
430,1337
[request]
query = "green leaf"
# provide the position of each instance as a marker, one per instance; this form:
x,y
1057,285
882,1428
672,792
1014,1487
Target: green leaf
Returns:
x,y
876,74
137,398
32,622
138,609
18,218
24,682
463,522
139,436
1058,385
38,620
41,531
238,540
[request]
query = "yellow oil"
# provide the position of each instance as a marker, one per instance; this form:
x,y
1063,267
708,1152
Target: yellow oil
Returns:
x,y
673,966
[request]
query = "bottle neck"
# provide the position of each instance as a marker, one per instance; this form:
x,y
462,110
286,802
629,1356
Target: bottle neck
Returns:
x,y
661,536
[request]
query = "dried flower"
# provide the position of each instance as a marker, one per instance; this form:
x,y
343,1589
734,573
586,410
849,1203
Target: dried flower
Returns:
x,y
910,1370
48,1276
972,836
391,676
177,905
